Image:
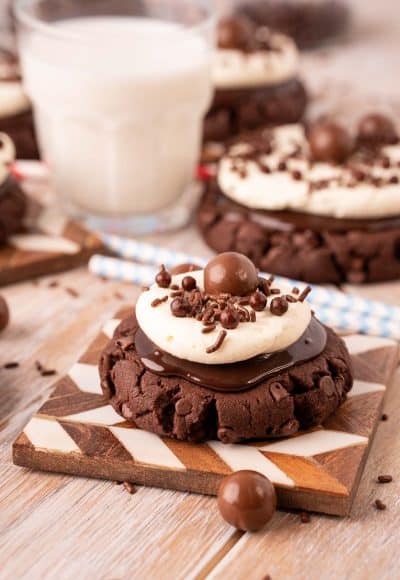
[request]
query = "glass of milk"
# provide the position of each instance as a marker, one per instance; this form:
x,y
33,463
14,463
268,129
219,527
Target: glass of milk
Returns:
x,y
119,90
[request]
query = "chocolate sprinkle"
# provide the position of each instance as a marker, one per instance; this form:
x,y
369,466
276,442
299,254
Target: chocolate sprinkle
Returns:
x,y
379,505
218,343
304,294
208,329
11,365
157,301
72,292
385,478
384,417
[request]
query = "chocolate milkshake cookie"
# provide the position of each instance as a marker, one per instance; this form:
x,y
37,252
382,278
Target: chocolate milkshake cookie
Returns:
x,y
310,22
321,205
223,353
16,117
12,198
256,80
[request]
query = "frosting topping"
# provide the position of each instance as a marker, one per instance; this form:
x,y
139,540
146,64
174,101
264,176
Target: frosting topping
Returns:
x,y
266,328
274,170
275,63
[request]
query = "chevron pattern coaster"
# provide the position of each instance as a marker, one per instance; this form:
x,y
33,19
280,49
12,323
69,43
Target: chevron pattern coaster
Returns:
x,y
77,432
50,243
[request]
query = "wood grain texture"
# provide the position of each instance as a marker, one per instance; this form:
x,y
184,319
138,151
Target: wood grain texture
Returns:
x,y
18,264
76,432
55,526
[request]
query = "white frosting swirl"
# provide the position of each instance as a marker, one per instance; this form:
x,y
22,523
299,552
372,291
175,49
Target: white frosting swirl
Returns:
x,y
342,197
235,69
182,337
13,100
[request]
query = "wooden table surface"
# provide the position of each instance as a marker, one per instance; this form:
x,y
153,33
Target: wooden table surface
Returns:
x,y
54,526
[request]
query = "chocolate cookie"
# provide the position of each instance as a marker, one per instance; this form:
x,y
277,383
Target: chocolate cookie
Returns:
x,y
299,398
16,118
21,129
237,110
310,23
12,208
303,246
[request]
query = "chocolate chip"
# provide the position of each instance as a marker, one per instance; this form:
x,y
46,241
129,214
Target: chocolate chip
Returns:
x,y
379,505
163,278
189,283
258,301
327,385
277,391
279,306
229,318
180,307
183,407
385,478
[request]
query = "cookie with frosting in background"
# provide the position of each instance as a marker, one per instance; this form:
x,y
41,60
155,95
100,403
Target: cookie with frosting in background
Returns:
x,y
223,353
12,198
16,118
310,22
320,204
256,80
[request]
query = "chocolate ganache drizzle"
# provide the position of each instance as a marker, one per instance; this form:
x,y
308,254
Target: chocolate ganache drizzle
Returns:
x,y
236,376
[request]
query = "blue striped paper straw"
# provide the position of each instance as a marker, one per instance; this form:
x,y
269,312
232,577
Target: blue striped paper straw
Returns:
x,y
121,270
330,299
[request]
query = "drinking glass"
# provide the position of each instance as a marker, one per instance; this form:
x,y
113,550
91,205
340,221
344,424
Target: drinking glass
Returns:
x,y
119,91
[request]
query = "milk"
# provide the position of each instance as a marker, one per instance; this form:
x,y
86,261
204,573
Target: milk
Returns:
x,y
118,103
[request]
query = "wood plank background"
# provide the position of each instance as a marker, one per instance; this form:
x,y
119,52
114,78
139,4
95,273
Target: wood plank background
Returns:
x,y
60,527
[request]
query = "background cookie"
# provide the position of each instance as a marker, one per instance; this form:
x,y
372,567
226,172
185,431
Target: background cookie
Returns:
x,y
278,244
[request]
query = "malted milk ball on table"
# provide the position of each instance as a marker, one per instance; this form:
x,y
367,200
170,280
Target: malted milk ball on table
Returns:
x,y
247,500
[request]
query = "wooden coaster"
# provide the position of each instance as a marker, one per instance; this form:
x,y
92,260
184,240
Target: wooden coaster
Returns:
x,y
50,243
77,432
